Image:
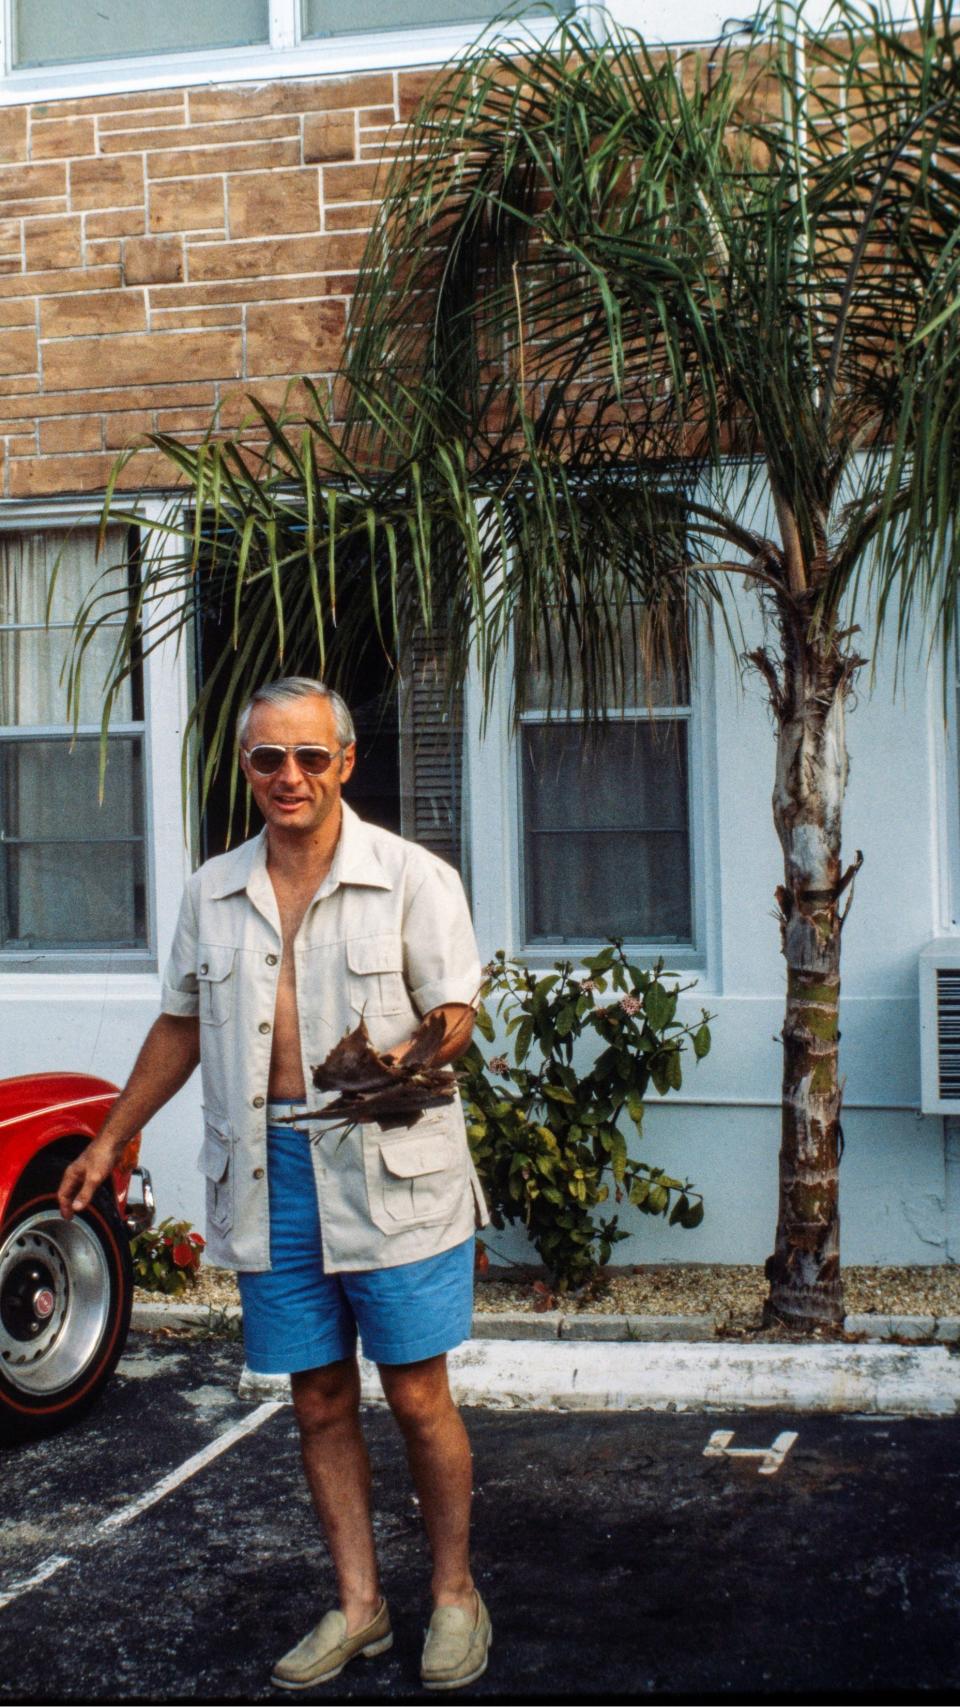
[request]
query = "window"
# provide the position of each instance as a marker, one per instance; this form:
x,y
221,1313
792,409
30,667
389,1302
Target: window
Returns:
x,y
64,33
72,868
58,32
579,830
604,818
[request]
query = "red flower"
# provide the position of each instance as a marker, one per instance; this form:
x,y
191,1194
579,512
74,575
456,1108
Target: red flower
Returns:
x,y
198,1240
184,1255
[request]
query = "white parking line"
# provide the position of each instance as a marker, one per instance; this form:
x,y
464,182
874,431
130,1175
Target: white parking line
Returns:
x,y
118,1519
48,1569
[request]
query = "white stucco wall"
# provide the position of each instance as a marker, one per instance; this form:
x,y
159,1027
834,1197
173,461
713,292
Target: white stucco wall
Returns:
x,y
722,1129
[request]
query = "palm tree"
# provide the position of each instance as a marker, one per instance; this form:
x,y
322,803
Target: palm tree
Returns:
x,y
615,295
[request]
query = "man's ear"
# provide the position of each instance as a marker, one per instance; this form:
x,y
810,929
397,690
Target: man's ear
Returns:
x,y
348,759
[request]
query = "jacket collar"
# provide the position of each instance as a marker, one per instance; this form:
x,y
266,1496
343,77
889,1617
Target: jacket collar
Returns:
x,y
356,860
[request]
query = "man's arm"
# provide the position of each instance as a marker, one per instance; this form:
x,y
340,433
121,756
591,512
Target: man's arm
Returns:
x,y
170,1052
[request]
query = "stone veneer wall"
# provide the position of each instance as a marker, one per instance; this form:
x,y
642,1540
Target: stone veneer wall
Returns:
x,y
165,252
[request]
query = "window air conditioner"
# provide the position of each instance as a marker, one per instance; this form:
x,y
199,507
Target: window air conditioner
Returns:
x,y
940,1027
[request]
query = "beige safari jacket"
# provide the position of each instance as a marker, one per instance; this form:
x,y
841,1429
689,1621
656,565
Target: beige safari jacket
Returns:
x,y
388,935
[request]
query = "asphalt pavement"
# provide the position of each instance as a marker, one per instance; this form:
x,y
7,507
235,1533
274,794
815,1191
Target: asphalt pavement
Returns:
x,y
165,1550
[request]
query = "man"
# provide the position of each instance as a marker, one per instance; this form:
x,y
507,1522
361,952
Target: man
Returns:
x,y
281,946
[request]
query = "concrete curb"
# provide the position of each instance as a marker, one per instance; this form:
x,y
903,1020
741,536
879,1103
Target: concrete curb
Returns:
x,y
596,1375
558,1362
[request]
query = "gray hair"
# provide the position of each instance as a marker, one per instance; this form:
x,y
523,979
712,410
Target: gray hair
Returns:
x,y
299,687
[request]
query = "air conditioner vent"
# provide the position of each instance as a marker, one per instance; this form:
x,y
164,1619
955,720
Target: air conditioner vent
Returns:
x,y
940,1027
948,1033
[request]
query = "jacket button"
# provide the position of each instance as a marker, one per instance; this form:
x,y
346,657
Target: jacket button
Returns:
x,y
264,1026
204,970
258,1102
271,960
258,1173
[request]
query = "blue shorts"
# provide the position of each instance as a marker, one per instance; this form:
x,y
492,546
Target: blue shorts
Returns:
x,y
297,1317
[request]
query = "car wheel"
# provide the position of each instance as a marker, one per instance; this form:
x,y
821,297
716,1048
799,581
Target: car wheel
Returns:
x,y
66,1289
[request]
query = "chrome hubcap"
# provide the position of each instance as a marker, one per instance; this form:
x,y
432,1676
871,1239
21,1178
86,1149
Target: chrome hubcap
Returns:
x,y
54,1301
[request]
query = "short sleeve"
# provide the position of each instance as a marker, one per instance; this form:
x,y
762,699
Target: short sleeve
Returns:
x,y
179,995
441,959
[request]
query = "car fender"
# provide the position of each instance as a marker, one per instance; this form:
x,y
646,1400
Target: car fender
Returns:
x,y
38,1109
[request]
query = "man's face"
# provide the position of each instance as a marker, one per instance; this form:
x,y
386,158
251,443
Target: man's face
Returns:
x,y
290,800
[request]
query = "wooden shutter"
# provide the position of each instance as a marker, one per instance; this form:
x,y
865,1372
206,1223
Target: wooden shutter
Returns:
x,y
431,751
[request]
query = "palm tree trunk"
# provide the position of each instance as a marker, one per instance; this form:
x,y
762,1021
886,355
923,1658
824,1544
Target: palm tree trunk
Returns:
x,y
804,1270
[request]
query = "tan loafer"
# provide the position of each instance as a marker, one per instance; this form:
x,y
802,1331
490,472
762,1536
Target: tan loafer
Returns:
x,y
325,1651
456,1648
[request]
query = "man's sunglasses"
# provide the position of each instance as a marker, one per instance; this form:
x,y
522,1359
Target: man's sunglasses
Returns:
x,y
267,760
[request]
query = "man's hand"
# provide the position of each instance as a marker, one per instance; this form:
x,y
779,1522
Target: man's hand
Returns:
x,y
85,1176
171,1050
458,1020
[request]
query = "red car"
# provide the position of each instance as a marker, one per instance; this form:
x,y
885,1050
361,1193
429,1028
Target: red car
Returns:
x,y
66,1287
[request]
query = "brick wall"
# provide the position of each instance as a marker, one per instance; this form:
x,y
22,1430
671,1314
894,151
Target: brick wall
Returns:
x,y
163,253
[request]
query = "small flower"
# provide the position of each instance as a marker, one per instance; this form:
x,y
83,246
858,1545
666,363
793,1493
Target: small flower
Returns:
x,y
590,984
184,1255
630,1005
198,1240
500,1067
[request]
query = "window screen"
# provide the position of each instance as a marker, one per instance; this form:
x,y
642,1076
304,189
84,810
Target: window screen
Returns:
x,y
57,32
327,18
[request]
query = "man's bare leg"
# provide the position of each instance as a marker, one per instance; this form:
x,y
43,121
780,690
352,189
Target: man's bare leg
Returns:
x,y
438,1451
327,1406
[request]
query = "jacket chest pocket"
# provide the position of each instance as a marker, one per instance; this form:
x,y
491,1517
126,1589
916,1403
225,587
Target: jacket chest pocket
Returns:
x,y
215,983
375,975
415,1181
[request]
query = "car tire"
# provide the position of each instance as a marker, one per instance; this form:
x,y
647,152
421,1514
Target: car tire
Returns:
x,y
66,1291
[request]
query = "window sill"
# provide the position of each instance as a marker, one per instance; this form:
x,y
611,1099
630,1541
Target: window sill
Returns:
x,y
375,50
680,957
130,977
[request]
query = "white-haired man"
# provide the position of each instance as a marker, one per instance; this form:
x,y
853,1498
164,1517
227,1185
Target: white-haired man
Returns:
x,y
281,946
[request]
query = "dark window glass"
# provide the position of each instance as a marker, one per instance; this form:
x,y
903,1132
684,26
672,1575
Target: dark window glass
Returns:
x,y
605,831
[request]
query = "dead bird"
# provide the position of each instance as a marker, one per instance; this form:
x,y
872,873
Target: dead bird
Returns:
x,y
373,1086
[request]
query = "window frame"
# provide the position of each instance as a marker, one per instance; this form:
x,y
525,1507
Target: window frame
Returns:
x,y
288,54
47,517
495,829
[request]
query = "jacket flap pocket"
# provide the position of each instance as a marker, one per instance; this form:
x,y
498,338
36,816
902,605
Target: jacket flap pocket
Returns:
x,y
215,1155
215,962
375,954
406,1158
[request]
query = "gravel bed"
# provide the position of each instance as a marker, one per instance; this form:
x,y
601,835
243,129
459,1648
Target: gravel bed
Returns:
x,y
732,1293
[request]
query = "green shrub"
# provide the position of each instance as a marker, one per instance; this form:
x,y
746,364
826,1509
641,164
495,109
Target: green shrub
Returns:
x,y
166,1258
547,1140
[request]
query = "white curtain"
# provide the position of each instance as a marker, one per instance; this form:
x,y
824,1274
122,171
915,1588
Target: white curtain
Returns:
x,y
32,688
